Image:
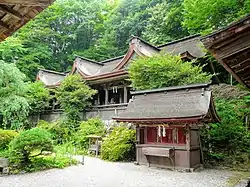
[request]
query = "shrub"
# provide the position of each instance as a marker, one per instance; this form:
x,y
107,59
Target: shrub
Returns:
x,y
59,133
228,142
93,126
48,162
119,145
69,148
28,144
5,138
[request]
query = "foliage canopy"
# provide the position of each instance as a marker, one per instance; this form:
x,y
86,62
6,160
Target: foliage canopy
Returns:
x,y
163,71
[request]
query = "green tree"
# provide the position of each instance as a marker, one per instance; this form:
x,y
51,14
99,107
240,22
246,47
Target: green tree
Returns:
x,y
125,18
165,22
14,107
163,71
50,41
204,16
38,97
74,96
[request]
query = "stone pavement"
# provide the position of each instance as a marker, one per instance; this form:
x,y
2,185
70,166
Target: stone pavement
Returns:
x,y
98,173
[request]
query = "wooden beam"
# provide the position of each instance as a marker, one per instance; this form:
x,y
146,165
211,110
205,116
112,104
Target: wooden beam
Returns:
x,y
242,68
224,64
27,2
10,11
4,25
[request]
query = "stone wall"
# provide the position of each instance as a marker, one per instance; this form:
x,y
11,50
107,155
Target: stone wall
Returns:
x,y
104,112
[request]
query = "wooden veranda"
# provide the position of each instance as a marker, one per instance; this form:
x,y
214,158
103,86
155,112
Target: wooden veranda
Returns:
x,y
16,13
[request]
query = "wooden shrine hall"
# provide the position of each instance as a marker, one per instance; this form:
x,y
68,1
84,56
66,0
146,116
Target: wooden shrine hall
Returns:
x,y
231,48
167,124
110,77
16,13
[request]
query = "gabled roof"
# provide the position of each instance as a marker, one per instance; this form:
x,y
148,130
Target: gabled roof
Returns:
x,y
191,103
231,48
50,78
16,13
190,44
188,48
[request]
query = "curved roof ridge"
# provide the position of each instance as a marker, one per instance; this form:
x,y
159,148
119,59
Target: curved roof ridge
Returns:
x,y
179,40
87,59
52,71
171,88
144,41
111,59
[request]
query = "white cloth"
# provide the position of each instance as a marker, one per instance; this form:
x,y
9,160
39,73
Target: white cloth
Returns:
x,y
163,131
159,131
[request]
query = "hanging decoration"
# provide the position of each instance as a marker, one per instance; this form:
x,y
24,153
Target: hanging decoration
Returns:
x,y
163,131
159,131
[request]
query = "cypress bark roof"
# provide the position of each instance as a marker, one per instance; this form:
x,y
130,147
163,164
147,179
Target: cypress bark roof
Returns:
x,y
181,103
189,47
50,78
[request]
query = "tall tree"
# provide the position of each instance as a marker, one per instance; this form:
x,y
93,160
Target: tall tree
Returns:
x,y
126,19
165,22
74,96
14,107
204,16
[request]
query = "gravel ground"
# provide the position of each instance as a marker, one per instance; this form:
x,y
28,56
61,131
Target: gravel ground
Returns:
x,y
98,173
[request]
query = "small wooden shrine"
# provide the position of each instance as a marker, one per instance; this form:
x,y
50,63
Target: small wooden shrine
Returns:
x,y
167,124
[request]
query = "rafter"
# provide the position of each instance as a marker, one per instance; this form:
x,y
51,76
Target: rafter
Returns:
x,y
4,25
11,11
27,2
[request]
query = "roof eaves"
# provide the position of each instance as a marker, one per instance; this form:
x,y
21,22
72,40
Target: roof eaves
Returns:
x,y
179,40
89,60
203,85
136,37
190,118
111,59
54,72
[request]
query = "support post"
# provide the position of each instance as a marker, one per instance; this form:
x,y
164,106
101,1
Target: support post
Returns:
x,y
188,146
125,94
98,98
106,96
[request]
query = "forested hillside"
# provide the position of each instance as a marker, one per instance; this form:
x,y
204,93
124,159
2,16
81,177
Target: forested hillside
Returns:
x,y
100,29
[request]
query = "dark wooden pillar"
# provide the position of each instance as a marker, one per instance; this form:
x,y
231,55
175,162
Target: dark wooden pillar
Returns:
x,y
98,98
188,146
125,95
106,96
137,142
